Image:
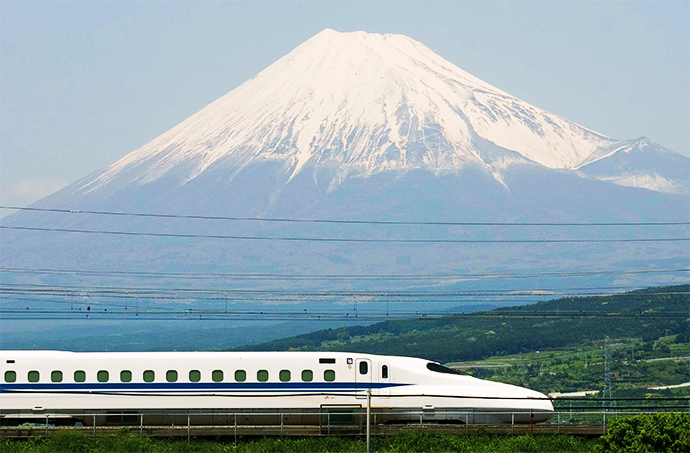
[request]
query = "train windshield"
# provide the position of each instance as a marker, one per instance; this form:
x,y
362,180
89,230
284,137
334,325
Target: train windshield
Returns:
x,y
438,368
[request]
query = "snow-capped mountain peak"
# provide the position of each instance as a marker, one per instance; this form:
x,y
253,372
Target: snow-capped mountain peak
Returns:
x,y
359,104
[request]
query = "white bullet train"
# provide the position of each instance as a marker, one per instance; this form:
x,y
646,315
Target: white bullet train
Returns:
x,y
127,385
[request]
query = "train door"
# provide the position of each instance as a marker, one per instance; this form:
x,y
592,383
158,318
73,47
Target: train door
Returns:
x,y
384,390
362,377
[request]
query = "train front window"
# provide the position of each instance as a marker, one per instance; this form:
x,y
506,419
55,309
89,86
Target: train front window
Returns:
x,y
438,368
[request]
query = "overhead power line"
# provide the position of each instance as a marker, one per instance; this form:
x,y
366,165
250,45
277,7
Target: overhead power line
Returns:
x,y
120,291
111,310
521,310
333,221
270,276
346,240
91,298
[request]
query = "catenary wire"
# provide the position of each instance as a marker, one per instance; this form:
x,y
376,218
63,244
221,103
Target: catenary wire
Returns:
x,y
334,221
509,292
269,276
344,240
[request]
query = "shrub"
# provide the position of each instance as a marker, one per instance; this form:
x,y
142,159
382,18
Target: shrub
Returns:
x,y
665,432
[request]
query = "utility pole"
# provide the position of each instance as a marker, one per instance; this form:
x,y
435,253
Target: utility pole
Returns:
x,y
368,420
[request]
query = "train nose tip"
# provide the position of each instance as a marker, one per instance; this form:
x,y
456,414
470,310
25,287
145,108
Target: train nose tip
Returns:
x,y
541,408
545,411
542,415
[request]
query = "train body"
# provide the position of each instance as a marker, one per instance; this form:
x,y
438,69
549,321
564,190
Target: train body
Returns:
x,y
76,384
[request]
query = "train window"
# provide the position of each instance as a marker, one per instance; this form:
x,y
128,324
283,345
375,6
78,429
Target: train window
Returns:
x,y
438,368
10,376
363,367
125,376
240,375
171,376
194,376
102,376
79,376
262,375
326,360
149,376
284,375
33,376
384,372
217,375
56,376
329,375
307,375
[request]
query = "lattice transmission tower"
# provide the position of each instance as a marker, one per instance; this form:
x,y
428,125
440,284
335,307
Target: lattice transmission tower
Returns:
x,y
608,391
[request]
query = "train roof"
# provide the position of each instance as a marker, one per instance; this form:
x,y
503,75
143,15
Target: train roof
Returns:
x,y
201,354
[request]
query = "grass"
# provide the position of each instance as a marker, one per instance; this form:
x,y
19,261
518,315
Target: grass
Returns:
x,y
404,442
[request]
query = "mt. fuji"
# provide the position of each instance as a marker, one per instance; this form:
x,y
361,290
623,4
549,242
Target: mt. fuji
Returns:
x,y
359,104
364,126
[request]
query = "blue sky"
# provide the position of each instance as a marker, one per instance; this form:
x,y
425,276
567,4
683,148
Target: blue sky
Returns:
x,y
84,83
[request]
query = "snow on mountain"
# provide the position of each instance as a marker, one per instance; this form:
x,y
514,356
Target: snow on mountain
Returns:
x,y
642,163
358,104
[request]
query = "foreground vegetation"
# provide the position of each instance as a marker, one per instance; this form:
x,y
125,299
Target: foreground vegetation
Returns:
x,y
644,433
669,432
406,442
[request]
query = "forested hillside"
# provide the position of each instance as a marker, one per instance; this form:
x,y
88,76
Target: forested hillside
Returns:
x,y
647,314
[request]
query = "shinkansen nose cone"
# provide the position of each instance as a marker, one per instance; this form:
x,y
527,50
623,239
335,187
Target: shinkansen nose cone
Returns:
x,y
541,407
520,405
533,407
